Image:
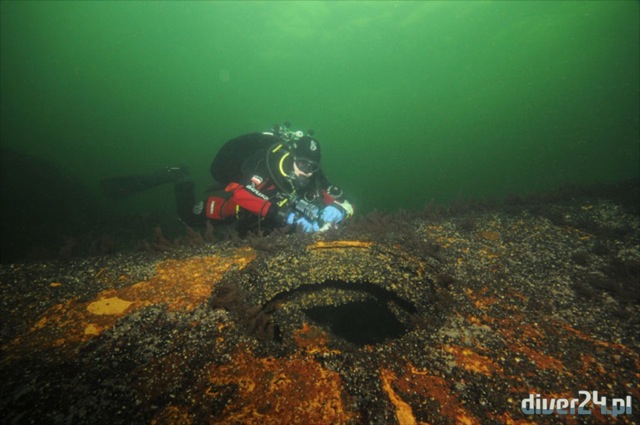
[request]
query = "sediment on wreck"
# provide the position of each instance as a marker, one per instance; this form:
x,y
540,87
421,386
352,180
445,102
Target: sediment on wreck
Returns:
x,y
443,316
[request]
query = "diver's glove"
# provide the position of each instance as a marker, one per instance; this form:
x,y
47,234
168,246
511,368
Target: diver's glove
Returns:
x,y
332,214
336,212
305,224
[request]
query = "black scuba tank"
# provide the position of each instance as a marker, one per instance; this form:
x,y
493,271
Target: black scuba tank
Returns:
x,y
227,166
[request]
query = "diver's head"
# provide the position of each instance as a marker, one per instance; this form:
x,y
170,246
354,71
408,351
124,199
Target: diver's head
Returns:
x,y
306,156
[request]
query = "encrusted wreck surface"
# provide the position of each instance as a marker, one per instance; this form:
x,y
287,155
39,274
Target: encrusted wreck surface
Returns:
x,y
439,318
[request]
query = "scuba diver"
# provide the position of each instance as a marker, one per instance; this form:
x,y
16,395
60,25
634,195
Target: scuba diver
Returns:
x,y
270,179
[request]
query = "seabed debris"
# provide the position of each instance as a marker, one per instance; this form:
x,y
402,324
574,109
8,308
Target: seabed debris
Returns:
x,y
398,318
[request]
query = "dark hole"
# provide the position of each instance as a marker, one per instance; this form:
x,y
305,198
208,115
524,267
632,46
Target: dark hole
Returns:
x,y
361,323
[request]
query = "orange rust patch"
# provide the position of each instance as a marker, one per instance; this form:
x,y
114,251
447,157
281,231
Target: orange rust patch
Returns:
x,y
535,346
108,306
173,415
312,339
180,285
516,328
511,323
433,387
404,413
293,389
472,361
479,300
508,420
91,329
339,244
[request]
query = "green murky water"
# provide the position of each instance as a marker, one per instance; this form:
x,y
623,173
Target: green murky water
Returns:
x,y
412,101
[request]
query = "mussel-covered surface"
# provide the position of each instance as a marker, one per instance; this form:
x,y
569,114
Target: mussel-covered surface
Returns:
x,y
445,317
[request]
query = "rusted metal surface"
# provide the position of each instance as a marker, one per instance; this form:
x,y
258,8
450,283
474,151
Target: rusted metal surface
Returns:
x,y
500,310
